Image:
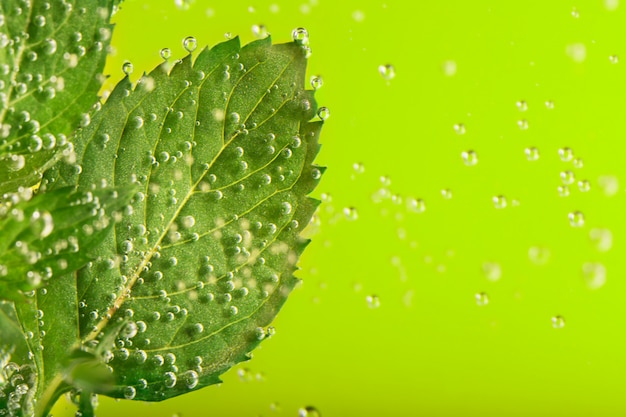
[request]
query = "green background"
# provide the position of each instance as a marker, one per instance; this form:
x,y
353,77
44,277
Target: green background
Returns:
x,y
429,349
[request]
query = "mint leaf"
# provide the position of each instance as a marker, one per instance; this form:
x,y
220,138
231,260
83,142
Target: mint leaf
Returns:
x,y
52,234
51,57
203,257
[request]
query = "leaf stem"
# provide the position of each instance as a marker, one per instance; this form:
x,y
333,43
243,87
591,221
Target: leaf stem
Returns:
x,y
50,396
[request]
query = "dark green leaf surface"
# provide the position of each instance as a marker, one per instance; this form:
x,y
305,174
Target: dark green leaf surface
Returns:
x,y
52,54
203,257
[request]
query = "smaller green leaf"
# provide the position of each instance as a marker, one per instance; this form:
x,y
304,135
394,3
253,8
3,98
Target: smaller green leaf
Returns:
x,y
51,58
53,233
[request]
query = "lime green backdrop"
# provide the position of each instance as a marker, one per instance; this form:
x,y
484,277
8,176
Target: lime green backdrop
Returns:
x,y
510,75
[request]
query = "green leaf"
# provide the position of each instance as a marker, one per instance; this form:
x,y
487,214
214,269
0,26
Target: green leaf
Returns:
x,y
52,234
17,373
52,54
203,258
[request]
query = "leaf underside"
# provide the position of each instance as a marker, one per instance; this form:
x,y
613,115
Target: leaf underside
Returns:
x,y
221,150
52,54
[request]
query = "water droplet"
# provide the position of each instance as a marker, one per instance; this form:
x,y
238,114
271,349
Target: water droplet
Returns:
x,y
576,219
566,154
492,271
532,153
127,68
309,411
614,59
372,301
549,104
470,158
446,193
594,274
317,82
499,201
190,44
558,322
521,105
351,213
323,113
300,35
387,71
481,299
459,128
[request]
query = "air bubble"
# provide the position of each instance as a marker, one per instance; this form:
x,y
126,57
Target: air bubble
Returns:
x,y
317,82
558,322
601,239
300,35
188,221
351,213
470,158
594,274
481,299
138,122
127,68
16,162
309,411
522,124
415,205
40,20
372,301
614,59
584,186
130,392
576,219
499,201
170,379
323,113
190,44
459,128
522,105
260,31
492,271
567,177
566,154
165,53
539,255
532,153
387,71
